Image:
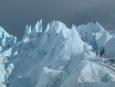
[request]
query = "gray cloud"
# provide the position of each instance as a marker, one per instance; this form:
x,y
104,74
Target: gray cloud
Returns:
x,y
15,14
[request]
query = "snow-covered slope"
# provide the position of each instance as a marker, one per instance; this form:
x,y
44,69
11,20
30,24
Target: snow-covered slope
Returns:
x,y
57,56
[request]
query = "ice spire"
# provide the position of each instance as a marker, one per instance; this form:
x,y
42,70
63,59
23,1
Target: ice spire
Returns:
x,y
2,31
15,39
28,29
47,28
61,29
38,26
100,27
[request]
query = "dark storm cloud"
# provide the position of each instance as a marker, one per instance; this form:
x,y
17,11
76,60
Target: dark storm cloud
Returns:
x,y
15,14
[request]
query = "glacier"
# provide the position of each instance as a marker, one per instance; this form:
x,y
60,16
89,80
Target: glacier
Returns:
x,y
58,56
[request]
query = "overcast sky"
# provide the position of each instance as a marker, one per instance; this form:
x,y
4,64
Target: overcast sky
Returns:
x,y
15,14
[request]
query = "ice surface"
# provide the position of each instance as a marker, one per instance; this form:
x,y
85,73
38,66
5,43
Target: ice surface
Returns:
x,y
58,56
